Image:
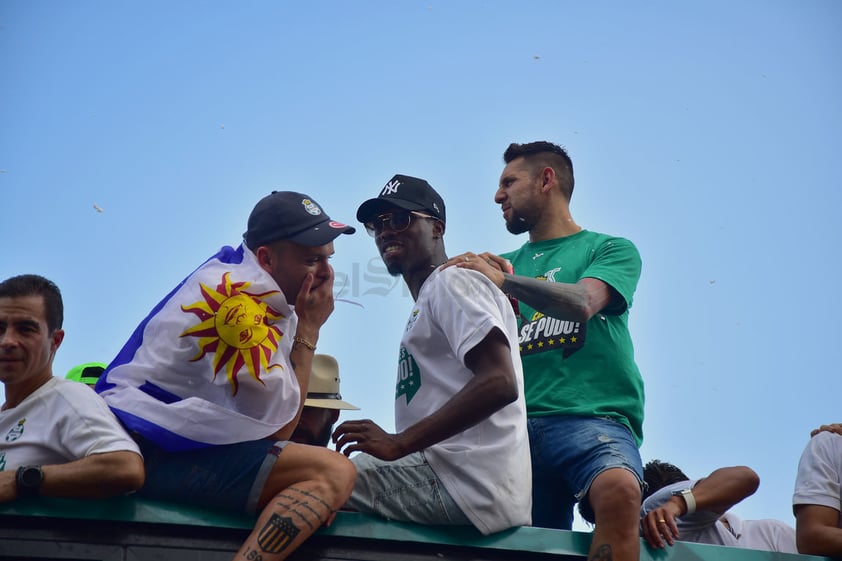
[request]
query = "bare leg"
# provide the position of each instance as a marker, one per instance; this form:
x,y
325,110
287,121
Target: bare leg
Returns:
x,y
615,498
306,486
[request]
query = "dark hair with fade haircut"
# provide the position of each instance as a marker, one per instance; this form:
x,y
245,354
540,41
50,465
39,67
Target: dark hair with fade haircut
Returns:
x,y
36,285
545,154
658,474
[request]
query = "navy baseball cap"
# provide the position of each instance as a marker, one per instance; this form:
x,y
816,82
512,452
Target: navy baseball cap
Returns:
x,y
286,215
408,193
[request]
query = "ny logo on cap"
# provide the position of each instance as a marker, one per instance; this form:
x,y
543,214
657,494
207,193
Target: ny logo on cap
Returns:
x,y
391,188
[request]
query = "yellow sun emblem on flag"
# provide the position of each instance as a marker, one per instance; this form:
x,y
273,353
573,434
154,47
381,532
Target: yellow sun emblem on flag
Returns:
x,y
237,327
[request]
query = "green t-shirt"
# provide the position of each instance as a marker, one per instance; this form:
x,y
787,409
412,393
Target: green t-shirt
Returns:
x,y
581,369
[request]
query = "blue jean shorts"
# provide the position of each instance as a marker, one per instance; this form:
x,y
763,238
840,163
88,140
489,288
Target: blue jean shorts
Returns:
x,y
229,477
568,452
406,489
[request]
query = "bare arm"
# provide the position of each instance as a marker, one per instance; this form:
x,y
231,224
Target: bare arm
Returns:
x,y
817,530
492,387
94,477
567,301
718,492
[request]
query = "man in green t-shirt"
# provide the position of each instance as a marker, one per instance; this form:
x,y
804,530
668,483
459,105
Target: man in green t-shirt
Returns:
x,y
584,393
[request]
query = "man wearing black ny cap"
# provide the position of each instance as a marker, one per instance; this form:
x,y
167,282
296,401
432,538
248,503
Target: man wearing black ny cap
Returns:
x,y
460,455
213,381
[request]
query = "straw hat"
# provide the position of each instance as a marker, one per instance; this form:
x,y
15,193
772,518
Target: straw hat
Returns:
x,y
324,385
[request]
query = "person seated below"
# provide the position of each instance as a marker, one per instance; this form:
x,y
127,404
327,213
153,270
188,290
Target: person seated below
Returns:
x,y
323,403
676,507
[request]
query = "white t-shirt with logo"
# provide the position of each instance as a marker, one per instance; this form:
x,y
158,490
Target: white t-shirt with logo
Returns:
x,y
60,422
486,468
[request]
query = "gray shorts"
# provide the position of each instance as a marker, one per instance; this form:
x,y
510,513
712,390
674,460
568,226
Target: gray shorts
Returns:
x,y
406,489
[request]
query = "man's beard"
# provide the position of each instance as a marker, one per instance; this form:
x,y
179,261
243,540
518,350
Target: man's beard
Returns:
x,y
517,224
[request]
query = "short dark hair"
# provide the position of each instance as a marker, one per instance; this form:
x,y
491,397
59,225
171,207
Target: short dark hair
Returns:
x,y
544,154
658,474
36,285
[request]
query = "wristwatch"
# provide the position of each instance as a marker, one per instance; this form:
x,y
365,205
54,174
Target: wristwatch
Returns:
x,y
689,499
28,480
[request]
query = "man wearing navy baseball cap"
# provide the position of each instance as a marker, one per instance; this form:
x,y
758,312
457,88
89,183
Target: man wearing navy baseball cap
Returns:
x,y
213,381
286,215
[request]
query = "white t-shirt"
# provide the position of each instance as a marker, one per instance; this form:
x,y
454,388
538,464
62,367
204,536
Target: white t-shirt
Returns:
x,y
486,468
705,526
819,479
60,422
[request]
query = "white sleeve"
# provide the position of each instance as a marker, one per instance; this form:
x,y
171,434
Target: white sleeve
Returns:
x,y
820,472
89,426
467,306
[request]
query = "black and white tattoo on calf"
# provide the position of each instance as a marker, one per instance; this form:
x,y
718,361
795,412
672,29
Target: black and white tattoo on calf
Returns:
x,y
295,503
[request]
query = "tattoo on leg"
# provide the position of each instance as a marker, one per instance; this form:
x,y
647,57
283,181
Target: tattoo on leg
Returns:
x,y
311,496
277,534
602,553
305,504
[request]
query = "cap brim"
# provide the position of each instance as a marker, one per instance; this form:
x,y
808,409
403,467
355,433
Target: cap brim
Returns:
x,y
373,207
322,233
329,404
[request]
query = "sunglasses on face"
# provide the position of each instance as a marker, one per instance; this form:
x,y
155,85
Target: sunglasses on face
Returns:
x,y
398,221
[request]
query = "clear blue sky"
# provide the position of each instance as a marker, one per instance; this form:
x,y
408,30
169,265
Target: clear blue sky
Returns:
x,y
706,132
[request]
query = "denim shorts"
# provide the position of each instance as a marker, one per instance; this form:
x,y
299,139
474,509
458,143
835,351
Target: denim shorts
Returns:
x,y
568,452
229,477
406,489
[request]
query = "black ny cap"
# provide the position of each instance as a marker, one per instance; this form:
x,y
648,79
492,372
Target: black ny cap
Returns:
x,y
403,191
286,215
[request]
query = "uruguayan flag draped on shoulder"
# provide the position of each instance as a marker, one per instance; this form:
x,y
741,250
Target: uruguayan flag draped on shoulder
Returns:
x,y
209,364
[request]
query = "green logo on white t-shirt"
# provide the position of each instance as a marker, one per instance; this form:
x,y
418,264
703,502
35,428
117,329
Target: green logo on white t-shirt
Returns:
x,y
409,377
16,432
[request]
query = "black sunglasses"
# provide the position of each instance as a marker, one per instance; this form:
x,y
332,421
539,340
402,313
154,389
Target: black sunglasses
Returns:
x,y
398,221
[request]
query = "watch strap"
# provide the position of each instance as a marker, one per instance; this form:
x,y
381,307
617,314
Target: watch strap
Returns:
x,y
28,480
690,500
